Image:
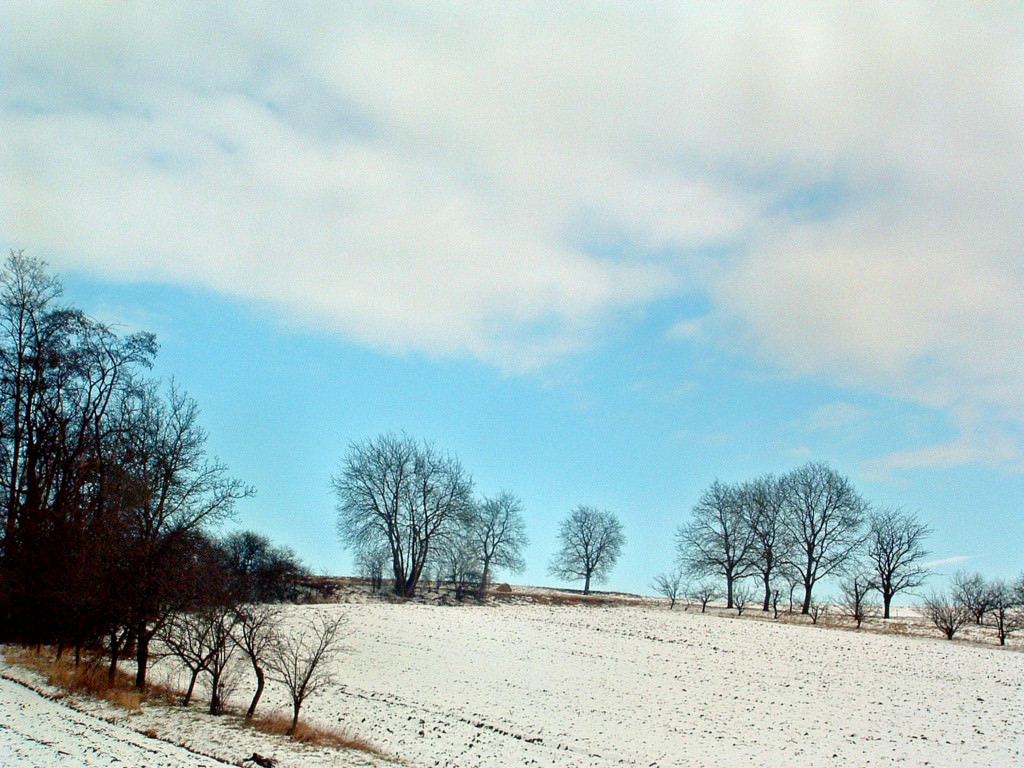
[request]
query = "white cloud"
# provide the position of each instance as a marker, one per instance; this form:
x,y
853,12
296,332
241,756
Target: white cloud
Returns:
x,y
954,560
503,181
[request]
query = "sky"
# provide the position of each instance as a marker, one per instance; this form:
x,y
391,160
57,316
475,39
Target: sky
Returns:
x,y
603,253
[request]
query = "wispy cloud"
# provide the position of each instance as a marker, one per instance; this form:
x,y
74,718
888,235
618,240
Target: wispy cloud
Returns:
x,y
955,560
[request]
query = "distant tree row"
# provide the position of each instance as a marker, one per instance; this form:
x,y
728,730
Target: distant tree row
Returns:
x,y
793,531
406,509
109,499
971,598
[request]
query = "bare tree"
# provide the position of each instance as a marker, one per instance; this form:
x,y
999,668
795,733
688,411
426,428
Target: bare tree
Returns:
x,y
187,637
459,557
371,559
670,585
61,375
222,620
718,539
176,494
764,500
255,633
1006,609
592,541
302,660
895,549
776,593
854,590
704,592
817,611
973,593
499,534
408,494
946,613
741,594
825,518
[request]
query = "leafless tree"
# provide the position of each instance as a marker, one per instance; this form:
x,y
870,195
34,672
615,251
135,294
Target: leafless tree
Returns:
x,y
187,637
459,558
718,539
741,594
1006,609
946,613
254,635
817,611
411,496
371,559
301,660
895,549
825,518
704,592
499,535
180,493
592,541
854,589
764,501
222,620
670,585
974,593
61,373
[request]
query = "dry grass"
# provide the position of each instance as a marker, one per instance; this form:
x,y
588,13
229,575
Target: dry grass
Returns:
x,y
90,677
337,738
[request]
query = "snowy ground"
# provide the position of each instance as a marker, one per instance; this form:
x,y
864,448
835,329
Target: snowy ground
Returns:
x,y
524,684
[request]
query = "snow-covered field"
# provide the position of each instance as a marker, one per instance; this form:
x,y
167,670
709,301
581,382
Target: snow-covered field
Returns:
x,y
523,684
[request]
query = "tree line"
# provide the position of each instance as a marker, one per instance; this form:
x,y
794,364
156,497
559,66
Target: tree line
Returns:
x,y
110,501
407,509
793,531
973,599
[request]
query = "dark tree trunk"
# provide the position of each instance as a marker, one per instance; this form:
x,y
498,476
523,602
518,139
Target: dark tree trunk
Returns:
x,y
767,595
141,658
586,584
886,602
191,686
806,608
485,577
295,716
259,692
216,707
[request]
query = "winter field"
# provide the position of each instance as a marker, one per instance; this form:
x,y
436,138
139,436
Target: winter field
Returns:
x,y
519,683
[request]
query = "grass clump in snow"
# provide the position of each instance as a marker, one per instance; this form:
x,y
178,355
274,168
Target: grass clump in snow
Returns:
x,y
320,736
90,678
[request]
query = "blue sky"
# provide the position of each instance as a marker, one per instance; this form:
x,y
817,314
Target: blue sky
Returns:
x,y
603,253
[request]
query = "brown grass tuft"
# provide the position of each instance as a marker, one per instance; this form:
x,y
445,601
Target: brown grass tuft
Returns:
x,y
337,738
89,677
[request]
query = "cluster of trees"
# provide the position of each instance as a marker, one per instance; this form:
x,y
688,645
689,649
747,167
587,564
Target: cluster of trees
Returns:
x,y
109,499
790,533
407,509
212,640
995,603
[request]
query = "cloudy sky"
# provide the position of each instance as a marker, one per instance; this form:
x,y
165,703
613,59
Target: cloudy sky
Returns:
x,y
604,253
